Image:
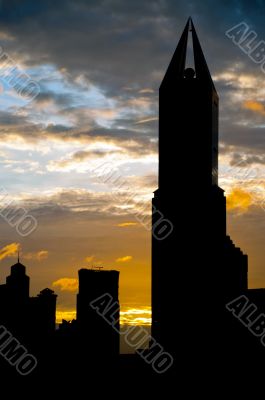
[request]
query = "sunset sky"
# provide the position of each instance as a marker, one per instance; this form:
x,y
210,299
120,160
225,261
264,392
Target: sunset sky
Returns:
x,y
98,65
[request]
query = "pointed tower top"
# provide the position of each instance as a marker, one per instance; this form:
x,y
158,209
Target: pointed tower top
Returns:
x,y
18,256
177,65
176,69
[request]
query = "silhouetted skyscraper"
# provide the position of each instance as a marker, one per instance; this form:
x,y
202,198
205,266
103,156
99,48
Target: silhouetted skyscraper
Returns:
x,y
16,302
100,336
197,266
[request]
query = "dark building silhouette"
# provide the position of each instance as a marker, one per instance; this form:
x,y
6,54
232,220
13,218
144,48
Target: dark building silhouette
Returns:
x,y
28,317
197,267
15,299
18,282
77,347
43,312
93,327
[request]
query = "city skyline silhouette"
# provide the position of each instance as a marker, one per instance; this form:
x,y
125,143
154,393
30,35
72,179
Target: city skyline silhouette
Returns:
x,y
199,276
133,270
85,220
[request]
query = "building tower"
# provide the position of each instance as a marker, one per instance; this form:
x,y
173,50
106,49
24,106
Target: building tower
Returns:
x,y
18,282
95,284
196,267
16,303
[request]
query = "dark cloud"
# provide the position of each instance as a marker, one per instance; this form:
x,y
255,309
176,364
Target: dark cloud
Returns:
x,y
124,47
118,44
62,100
79,204
136,142
243,138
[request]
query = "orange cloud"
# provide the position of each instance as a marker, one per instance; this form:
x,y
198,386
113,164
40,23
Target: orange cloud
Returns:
x,y
89,258
146,90
255,106
9,250
66,284
126,224
39,256
239,199
124,259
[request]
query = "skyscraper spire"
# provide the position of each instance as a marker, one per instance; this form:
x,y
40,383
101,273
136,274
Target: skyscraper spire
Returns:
x,y
201,67
177,66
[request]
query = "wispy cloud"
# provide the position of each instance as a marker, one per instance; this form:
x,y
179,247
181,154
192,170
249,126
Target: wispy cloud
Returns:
x,y
66,284
124,259
9,250
39,255
127,224
143,121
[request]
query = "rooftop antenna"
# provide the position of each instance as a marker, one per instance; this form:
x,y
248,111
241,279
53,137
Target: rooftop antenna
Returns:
x,y
96,267
18,256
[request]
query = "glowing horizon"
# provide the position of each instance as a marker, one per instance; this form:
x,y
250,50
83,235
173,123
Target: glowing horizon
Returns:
x,y
128,316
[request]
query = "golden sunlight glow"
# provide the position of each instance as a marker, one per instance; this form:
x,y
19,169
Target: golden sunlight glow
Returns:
x,y
128,316
67,315
239,199
89,258
136,316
